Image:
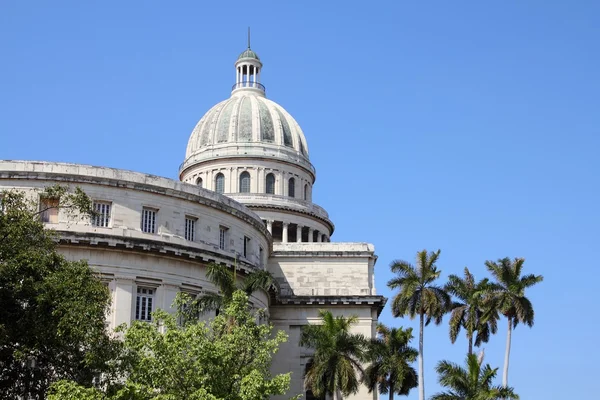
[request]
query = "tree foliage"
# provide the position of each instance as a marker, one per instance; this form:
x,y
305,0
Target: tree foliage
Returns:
x,y
225,280
228,358
471,383
53,313
473,311
390,356
335,367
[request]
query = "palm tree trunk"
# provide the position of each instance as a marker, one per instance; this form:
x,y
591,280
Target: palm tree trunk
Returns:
x,y
421,367
507,354
391,391
470,344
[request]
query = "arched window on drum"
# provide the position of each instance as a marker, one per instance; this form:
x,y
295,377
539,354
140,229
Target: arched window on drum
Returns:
x,y
220,183
292,187
245,182
270,184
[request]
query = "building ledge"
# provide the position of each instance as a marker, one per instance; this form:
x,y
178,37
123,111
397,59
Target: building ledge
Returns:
x,y
373,301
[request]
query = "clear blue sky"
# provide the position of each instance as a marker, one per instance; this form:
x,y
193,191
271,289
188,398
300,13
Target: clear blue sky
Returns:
x,y
472,127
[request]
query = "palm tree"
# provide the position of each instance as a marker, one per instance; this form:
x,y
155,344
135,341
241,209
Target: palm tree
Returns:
x,y
472,383
419,295
225,280
337,355
509,297
472,311
390,355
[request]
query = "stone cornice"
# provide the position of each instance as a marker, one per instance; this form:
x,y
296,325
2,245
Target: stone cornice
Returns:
x,y
158,247
292,210
377,302
86,174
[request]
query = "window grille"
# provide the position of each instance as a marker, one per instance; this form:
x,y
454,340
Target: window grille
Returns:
x,y
246,246
102,217
143,304
220,183
148,220
222,237
190,228
270,184
245,182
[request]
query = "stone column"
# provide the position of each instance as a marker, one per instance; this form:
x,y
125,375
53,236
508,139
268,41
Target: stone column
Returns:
x,y
260,178
168,292
310,234
284,237
298,233
123,300
270,226
233,180
323,237
318,237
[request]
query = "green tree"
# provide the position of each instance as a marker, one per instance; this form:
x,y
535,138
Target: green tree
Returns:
x,y
228,358
390,356
470,383
472,312
419,295
53,313
225,280
337,356
509,297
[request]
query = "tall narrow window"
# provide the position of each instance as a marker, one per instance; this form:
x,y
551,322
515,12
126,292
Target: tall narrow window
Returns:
x,y
222,237
102,217
270,184
246,246
306,192
292,187
149,220
190,228
143,304
220,183
245,182
260,256
199,181
49,210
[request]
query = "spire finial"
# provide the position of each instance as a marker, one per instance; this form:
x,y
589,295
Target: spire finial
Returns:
x,y
248,37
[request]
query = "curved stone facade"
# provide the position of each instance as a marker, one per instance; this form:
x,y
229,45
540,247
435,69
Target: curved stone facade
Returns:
x,y
163,260
154,236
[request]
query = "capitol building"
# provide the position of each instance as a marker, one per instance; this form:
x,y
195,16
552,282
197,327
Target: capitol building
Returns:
x,y
243,199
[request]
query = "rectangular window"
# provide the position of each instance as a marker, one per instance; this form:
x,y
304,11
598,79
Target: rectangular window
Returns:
x,y
222,237
143,304
49,210
102,217
149,220
190,228
246,246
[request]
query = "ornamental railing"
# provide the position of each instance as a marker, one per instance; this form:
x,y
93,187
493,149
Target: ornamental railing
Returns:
x,y
252,85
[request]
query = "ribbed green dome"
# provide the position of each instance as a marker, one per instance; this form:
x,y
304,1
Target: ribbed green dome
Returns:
x,y
248,54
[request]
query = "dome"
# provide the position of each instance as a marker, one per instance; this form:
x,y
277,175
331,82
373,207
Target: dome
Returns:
x,y
247,119
248,54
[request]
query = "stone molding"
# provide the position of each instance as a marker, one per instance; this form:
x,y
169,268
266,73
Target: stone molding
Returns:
x,y
87,174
